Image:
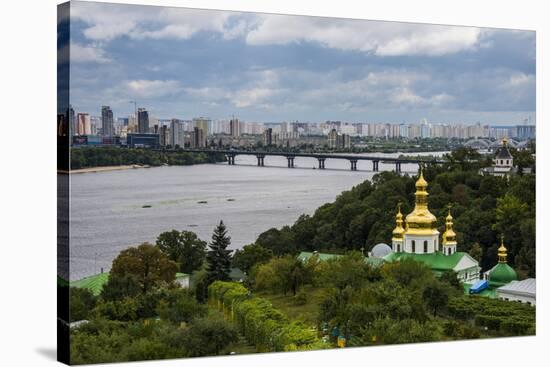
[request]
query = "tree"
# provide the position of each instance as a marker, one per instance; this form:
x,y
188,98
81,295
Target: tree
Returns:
x,y
251,255
183,247
436,295
180,306
476,251
209,336
218,257
119,287
82,301
147,264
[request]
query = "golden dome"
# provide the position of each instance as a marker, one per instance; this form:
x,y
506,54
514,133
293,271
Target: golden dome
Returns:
x,y
449,236
420,220
502,252
398,231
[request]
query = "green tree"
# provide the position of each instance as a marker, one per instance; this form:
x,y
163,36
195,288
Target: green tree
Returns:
x,y
209,336
119,287
180,306
436,296
183,247
147,264
81,303
218,257
251,255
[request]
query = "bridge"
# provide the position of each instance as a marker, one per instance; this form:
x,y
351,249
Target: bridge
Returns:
x,y
321,157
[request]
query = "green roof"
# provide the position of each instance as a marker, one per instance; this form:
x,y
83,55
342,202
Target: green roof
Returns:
x,y
304,255
437,261
94,283
501,274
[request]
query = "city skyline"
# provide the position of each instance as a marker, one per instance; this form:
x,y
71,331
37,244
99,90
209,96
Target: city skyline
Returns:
x,y
263,67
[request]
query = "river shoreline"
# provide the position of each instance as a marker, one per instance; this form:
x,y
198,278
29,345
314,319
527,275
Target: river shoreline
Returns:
x,y
109,168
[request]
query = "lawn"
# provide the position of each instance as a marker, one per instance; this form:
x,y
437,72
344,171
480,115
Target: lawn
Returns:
x,y
307,312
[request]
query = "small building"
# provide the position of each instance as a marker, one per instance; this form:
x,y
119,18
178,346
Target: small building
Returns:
x,y
182,279
501,273
524,291
503,163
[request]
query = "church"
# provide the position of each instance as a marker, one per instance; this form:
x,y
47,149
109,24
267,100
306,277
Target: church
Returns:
x,y
417,237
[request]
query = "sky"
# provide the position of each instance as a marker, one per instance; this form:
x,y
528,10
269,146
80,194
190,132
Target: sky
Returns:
x,y
183,63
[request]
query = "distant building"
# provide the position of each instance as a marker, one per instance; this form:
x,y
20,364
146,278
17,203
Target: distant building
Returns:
x,y
175,133
524,132
268,137
503,163
203,124
70,120
138,140
198,138
107,122
83,124
333,139
234,127
143,121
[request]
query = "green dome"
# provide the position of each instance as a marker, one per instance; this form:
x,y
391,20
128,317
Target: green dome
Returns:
x,y
501,274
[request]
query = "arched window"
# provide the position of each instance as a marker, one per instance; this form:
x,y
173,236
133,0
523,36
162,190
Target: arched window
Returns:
x,y
425,246
413,246
398,248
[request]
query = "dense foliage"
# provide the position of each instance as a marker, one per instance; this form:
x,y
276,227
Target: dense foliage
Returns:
x,y
113,156
218,257
185,248
263,325
483,207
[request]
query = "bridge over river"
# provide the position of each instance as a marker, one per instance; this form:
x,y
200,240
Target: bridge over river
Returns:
x,y
321,157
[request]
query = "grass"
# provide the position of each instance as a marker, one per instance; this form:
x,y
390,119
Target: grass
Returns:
x,y
286,303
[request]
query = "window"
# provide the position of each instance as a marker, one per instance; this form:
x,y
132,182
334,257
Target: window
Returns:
x,y
507,161
425,246
398,248
413,246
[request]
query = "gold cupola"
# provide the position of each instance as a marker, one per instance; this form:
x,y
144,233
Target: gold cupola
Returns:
x,y
502,252
421,221
449,236
398,231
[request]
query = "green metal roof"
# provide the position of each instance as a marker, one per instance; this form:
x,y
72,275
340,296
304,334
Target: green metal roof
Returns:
x,y
501,274
304,255
94,283
437,261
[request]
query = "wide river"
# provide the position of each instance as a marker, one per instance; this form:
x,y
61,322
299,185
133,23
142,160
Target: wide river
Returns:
x,y
107,212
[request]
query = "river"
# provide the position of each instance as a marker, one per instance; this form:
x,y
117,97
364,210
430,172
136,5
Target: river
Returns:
x,y
107,212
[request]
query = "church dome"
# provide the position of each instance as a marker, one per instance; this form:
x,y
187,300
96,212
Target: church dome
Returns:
x,y
421,220
501,274
380,250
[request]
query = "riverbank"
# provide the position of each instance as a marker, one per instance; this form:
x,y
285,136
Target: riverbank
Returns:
x,y
109,168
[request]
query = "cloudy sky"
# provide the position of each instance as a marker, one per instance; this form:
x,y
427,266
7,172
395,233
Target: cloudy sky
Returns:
x,y
185,63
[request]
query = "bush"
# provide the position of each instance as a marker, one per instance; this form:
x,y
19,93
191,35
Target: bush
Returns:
x,y
300,298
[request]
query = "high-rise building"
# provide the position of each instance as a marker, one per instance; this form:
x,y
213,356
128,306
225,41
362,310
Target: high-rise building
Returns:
x,y
198,139
83,124
107,122
268,137
175,133
235,127
143,121
71,121
203,124
333,139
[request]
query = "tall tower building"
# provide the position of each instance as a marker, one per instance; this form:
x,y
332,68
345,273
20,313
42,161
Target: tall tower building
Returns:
x,y
143,121
175,133
234,127
107,122
83,124
71,121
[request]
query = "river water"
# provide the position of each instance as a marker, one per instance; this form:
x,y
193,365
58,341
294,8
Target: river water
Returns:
x,y
107,211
